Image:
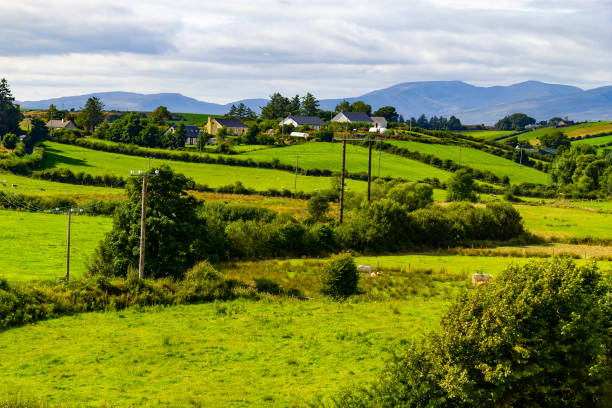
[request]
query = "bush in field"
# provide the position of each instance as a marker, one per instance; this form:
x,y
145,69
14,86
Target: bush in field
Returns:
x,y
412,195
339,276
9,141
461,187
537,336
318,206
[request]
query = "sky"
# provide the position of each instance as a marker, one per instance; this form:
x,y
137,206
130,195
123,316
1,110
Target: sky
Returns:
x,y
222,51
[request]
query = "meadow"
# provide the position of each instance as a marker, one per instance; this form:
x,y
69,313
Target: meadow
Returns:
x,y
96,162
595,141
281,352
478,159
590,128
489,135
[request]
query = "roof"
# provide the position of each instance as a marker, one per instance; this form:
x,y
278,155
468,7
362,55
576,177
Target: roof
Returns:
x,y
230,123
190,130
307,120
378,118
59,123
357,116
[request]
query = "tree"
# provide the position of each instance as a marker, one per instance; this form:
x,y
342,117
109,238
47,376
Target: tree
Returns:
x,y
102,130
250,114
318,206
161,115
461,187
251,135
295,106
554,139
361,106
388,112
9,141
233,112
176,238
179,136
53,113
277,107
241,111
343,106
454,124
339,277
310,105
38,132
412,195
422,122
92,115
10,115
150,136
516,121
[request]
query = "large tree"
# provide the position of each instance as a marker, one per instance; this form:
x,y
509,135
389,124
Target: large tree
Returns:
x,y
91,115
516,121
10,115
461,187
175,237
361,106
278,107
310,105
161,115
388,112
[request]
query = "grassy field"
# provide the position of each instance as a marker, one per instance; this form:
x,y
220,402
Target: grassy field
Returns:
x,y
595,141
98,163
480,160
33,245
329,156
197,119
566,222
240,354
489,135
591,128
30,186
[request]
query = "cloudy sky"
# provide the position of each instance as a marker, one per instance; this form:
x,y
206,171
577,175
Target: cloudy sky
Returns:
x,y
221,51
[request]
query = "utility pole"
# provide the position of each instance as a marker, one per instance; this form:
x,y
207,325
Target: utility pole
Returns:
x,y
342,181
297,158
369,168
68,248
143,226
379,154
459,143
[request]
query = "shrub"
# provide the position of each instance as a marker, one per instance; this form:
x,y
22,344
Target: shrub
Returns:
x,y
10,141
339,277
318,206
461,187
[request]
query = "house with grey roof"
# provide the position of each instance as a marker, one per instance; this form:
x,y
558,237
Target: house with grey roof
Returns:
x,y
61,124
191,132
313,122
352,117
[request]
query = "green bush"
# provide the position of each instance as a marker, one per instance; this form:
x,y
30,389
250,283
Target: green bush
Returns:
x,y
339,277
10,141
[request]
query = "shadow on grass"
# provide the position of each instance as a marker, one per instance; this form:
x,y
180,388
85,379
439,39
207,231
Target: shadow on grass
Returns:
x,y
53,158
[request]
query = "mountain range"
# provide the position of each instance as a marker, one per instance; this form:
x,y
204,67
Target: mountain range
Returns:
x,y
472,104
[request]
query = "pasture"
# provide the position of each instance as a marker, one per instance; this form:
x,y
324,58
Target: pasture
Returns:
x,y
478,159
595,141
96,162
489,135
590,128
243,353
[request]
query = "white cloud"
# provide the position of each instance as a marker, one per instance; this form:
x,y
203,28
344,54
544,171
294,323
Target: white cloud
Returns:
x,y
222,51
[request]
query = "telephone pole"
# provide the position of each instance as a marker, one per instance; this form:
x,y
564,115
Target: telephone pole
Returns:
x,y
342,181
297,158
68,248
369,168
143,226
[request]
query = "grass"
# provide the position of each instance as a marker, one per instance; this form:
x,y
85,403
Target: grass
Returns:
x,y
595,141
489,135
591,128
315,155
30,186
33,245
98,163
197,119
478,159
241,353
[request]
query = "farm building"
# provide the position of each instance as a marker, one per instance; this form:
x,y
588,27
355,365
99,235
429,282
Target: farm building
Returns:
x,y
61,124
379,122
352,117
312,121
192,132
234,126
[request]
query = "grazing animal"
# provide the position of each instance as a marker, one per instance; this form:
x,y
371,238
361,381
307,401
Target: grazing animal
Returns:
x,y
13,185
480,279
374,274
365,268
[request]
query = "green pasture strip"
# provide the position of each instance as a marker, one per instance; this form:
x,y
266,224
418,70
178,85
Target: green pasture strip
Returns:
x,y
32,186
33,245
590,128
534,134
276,353
566,222
316,155
460,264
478,159
488,135
196,118
595,141
97,162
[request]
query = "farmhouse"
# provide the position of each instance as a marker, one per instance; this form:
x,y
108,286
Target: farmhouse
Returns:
x,y
379,122
61,124
192,132
352,117
312,121
234,126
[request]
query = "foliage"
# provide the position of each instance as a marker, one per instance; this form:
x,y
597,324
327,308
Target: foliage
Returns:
x,y
339,277
241,112
10,115
436,123
161,115
516,121
92,115
554,139
582,172
176,237
388,112
461,187
9,141
318,206
38,132
310,105
537,336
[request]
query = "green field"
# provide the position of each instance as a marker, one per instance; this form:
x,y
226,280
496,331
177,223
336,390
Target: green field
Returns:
x,y
478,159
591,128
489,135
240,354
30,186
328,156
96,162
197,119
33,245
595,141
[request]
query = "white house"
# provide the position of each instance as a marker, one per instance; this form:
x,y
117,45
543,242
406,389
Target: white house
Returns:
x,y
352,117
379,122
313,121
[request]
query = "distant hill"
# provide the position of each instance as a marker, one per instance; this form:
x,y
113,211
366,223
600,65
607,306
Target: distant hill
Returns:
x,y
472,104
